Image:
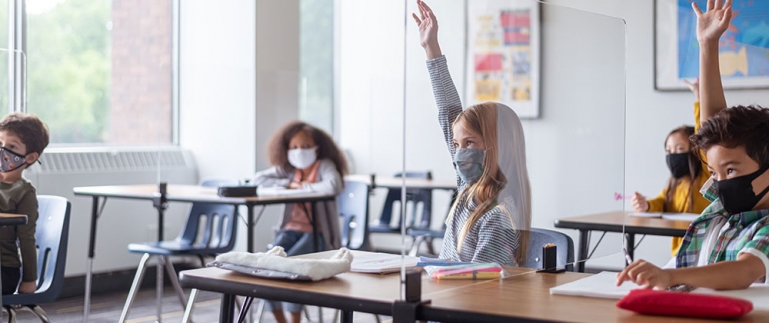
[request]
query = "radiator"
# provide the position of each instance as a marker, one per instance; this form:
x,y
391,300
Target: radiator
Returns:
x,y
123,221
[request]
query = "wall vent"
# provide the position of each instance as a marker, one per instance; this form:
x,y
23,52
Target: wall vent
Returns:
x,y
112,160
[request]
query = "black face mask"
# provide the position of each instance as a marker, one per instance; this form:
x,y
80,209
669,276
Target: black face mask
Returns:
x,y
678,164
736,194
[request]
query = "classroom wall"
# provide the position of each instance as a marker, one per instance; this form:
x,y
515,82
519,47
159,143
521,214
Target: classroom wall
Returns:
x,y
239,67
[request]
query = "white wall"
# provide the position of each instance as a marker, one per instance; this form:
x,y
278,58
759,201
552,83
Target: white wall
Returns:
x,y
239,66
576,154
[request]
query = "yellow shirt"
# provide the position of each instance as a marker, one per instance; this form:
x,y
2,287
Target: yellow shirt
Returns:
x,y
680,201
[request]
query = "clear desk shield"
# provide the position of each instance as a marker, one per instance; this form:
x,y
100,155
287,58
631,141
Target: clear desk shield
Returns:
x,y
525,116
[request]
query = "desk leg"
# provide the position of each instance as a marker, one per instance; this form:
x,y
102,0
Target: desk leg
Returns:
x,y
630,246
250,228
346,317
227,308
314,228
89,261
583,250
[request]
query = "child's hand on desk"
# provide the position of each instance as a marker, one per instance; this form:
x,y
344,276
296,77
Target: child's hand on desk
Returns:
x,y
639,203
295,185
645,275
27,287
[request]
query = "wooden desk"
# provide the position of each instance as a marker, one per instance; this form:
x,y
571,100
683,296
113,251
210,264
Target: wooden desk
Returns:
x,y
349,292
526,298
8,219
178,193
397,182
619,222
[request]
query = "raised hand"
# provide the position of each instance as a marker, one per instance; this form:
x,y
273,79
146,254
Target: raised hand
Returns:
x,y
694,87
428,30
713,23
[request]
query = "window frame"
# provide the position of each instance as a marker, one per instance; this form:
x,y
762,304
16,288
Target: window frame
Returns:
x,y
17,82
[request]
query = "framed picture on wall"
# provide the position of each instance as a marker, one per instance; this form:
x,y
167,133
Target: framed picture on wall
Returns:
x,y
503,54
743,50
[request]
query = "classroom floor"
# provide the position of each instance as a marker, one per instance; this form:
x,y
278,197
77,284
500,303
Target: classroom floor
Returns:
x,y
107,308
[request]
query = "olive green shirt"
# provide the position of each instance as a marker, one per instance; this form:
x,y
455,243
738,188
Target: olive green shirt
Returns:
x,y
19,198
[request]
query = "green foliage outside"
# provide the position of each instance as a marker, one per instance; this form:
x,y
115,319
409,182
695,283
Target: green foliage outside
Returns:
x,y
69,70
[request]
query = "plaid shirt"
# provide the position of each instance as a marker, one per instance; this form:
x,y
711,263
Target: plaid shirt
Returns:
x,y
747,230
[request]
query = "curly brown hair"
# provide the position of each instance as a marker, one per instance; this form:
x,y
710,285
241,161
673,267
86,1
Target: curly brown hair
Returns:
x,y
29,128
746,126
277,150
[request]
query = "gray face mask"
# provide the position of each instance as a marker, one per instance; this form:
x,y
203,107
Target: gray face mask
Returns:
x,y
469,164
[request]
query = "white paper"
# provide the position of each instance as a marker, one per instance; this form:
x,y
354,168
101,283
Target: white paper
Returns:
x,y
379,263
646,214
280,191
600,285
688,217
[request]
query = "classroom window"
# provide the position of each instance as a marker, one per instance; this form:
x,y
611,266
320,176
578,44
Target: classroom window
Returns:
x,y
316,63
100,71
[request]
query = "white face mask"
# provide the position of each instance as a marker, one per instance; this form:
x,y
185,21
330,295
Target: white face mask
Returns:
x,y
302,158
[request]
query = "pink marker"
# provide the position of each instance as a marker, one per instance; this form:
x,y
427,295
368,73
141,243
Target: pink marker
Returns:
x,y
618,196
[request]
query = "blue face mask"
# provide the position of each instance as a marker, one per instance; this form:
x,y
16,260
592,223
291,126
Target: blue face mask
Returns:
x,y
469,164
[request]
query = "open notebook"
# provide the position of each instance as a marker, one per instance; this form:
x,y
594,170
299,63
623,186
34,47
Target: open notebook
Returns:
x,y
380,263
603,285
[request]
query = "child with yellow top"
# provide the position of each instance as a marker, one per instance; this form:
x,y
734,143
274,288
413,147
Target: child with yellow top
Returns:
x,y
687,175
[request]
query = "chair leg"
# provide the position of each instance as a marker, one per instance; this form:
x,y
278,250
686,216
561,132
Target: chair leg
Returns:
x,y
260,311
415,246
190,305
175,281
134,287
11,315
39,312
430,248
244,309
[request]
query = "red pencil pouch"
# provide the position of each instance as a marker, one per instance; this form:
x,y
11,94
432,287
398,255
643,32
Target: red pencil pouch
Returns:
x,y
657,302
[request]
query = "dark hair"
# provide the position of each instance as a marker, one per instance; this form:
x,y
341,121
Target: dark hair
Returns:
x,y
746,126
327,149
695,168
30,130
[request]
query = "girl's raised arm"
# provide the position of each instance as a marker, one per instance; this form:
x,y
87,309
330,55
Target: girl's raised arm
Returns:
x,y
446,95
710,26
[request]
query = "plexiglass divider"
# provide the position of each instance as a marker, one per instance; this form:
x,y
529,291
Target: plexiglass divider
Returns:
x,y
545,87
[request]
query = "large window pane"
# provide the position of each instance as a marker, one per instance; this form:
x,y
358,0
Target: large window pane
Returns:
x,y
99,71
316,63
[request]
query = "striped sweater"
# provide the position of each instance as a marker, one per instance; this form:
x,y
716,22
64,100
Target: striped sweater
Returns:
x,y
492,238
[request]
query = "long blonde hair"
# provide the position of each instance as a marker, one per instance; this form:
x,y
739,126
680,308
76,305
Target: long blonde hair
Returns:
x,y
504,183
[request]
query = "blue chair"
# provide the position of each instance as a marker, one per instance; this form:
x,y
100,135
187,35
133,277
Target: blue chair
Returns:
x,y
353,207
51,234
414,196
426,235
538,238
210,229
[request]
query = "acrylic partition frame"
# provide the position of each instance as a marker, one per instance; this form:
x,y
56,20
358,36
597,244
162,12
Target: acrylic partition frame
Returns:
x,y
561,72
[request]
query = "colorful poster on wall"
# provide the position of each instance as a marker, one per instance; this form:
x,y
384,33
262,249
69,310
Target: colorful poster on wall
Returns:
x,y
743,50
503,54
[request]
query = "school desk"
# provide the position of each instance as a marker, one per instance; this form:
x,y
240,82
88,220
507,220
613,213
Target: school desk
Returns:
x,y
7,219
349,292
523,296
619,222
177,193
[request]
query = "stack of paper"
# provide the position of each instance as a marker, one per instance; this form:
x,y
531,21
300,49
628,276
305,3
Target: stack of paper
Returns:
x,y
280,191
381,263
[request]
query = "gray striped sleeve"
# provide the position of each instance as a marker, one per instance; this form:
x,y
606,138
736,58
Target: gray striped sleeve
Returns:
x,y
447,99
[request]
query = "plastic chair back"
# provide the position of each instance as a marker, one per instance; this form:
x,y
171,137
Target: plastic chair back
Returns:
x,y
210,228
538,238
51,235
353,207
415,196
